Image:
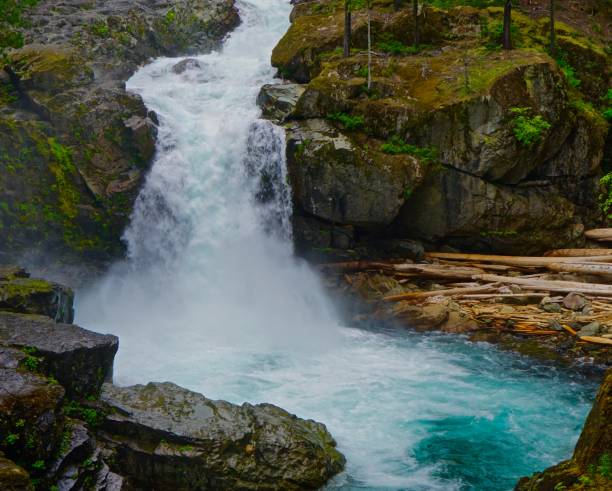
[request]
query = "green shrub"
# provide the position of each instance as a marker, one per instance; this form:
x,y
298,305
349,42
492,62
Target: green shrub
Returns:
x,y
349,122
395,146
568,70
100,28
605,466
528,129
90,416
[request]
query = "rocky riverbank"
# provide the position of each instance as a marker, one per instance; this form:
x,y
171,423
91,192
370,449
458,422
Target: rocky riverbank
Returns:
x,y
74,145
64,426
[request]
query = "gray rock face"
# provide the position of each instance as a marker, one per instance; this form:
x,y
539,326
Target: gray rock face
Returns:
x,y
80,360
278,101
471,213
166,437
74,145
340,181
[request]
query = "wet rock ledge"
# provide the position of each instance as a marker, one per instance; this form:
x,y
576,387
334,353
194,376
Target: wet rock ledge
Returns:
x,y
64,426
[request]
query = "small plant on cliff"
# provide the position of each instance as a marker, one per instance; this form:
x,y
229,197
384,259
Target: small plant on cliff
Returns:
x,y
605,466
395,146
100,28
528,129
349,122
11,19
90,416
605,199
567,69
31,362
607,101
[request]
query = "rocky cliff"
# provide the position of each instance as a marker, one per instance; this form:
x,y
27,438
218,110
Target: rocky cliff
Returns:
x,y
591,465
456,142
74,145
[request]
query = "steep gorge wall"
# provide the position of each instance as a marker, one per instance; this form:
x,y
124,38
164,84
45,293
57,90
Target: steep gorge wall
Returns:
x,y
74,145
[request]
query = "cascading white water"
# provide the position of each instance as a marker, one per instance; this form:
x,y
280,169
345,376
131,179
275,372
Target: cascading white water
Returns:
x,y
212,298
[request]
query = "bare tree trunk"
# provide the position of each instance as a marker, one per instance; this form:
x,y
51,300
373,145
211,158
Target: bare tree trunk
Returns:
x,y
369,48
507,41
415,14
552,26
347,29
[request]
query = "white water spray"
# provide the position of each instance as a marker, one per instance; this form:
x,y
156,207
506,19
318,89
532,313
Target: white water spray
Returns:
x,y
211,297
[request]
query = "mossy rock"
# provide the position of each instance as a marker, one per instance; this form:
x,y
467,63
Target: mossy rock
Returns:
x,y
38,297
590,468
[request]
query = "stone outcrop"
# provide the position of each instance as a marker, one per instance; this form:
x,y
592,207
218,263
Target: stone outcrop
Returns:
x,y
458,169
20,293
591,465
74,145
167,437
78,359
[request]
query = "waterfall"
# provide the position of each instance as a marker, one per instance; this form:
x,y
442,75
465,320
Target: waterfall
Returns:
x,y
211,297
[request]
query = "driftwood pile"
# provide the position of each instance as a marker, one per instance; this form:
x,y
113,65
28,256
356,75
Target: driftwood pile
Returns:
x,y
564,291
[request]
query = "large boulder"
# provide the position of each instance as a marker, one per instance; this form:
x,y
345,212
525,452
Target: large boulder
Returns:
x,y
339,179
591,465
278,101
473,214
78,359
166,437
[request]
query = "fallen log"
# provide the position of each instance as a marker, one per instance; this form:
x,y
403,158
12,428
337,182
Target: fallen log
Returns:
x,y
599,234
484,296
569,329
578,252
582,268
595,339
520,261
550,285
435,293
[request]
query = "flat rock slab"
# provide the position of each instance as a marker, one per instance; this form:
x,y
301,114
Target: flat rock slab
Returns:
x,y
171,438
80,360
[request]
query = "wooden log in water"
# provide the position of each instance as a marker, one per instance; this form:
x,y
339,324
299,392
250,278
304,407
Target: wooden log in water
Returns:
x,y
520,261
578,252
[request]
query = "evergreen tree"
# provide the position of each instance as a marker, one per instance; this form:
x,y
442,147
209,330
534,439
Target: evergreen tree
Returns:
x,y
507,39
